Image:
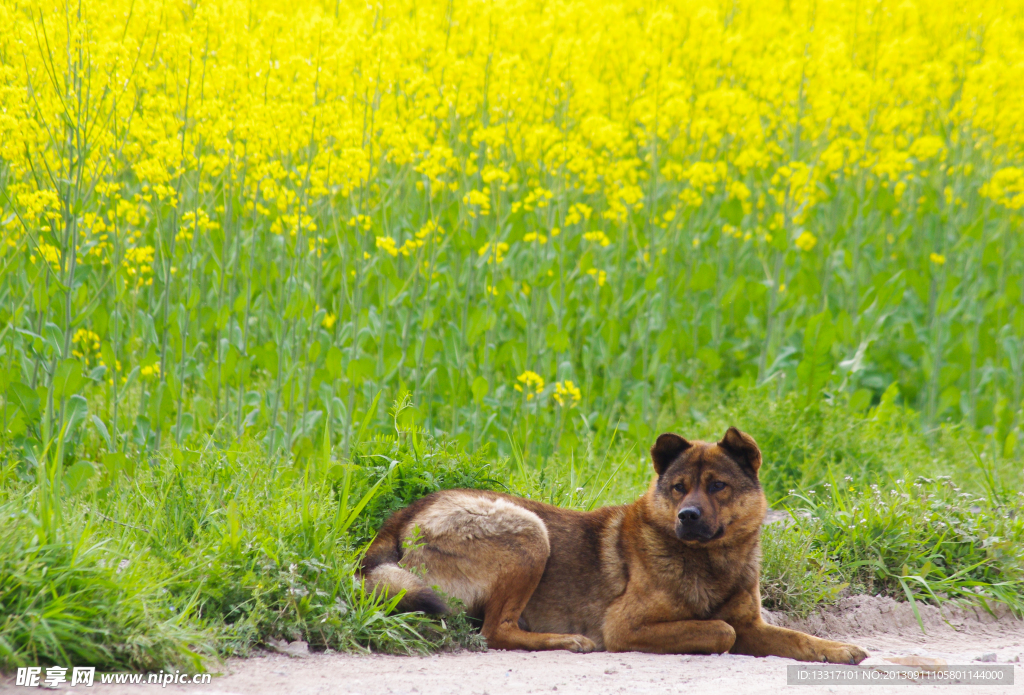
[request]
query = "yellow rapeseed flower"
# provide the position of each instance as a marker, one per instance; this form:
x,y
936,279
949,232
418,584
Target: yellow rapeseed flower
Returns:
x,y
1006,187
566,393
138,264
937,258
387,244
496,253
806,241
87,343
532,382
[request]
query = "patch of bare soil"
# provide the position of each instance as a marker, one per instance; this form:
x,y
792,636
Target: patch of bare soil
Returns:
x,y
887,629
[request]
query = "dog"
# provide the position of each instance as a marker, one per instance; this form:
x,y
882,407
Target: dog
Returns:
x,y
675,572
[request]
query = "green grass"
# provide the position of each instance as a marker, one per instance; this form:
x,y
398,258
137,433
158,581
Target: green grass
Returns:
x,y
213,552
69,600
796,575
207,551
922,539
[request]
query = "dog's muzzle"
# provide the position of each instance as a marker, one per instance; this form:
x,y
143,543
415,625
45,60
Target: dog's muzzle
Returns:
x,y
691,527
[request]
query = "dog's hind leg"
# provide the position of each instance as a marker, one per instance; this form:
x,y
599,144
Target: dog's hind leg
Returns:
x,y
490,554
506,603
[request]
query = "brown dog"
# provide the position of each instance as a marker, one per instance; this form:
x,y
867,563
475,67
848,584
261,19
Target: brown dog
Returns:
x,y
674,572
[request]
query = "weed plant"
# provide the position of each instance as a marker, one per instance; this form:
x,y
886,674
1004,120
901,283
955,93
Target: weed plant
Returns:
x,y
213,552
924,539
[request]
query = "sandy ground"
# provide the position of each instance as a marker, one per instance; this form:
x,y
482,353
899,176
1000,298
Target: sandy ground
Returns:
x,y
888,630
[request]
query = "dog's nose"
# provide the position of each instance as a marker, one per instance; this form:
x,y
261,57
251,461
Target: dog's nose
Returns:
x,y
689,514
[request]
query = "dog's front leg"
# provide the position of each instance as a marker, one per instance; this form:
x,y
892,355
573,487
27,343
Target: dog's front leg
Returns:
x,y
762,639
676,637
628,628
757,638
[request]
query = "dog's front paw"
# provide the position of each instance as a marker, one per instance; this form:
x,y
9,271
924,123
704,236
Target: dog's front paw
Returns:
x,y
579,643
839,653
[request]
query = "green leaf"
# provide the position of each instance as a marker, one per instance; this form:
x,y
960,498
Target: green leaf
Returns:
x,y
101,428
107,352
885,202
113,463
732,211
54,337
75,412
512,352
187,425
710,358
222,317
949,397
337,471
333,361
24,398
266,356
704,277
481,320
1010,444
77,476
480,388
342,524
16,425
67,378
557,340
359,370
409,417
371,412
234,524
860,400
161,408
325,445
816,365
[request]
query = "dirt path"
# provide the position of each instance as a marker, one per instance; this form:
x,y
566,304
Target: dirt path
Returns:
x,y
887,629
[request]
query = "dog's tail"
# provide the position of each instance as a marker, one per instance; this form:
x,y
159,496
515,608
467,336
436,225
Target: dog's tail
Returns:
x,y
389,579
383,574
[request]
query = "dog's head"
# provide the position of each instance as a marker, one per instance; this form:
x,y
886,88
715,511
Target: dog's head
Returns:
x,y
707,492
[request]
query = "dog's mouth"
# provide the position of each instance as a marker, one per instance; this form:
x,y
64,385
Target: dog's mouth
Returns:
x,y
700,535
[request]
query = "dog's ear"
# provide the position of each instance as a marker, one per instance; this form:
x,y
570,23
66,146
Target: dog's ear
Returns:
x,y
666,450
743,448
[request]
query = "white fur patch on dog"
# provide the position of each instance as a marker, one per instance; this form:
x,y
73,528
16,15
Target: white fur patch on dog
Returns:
x,y
394,578
465,543
466,517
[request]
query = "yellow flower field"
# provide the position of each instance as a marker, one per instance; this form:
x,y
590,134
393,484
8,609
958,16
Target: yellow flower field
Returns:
x,y
270,211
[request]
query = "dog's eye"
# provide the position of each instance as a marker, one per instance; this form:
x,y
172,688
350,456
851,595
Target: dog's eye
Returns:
x,y
679,487
716,486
